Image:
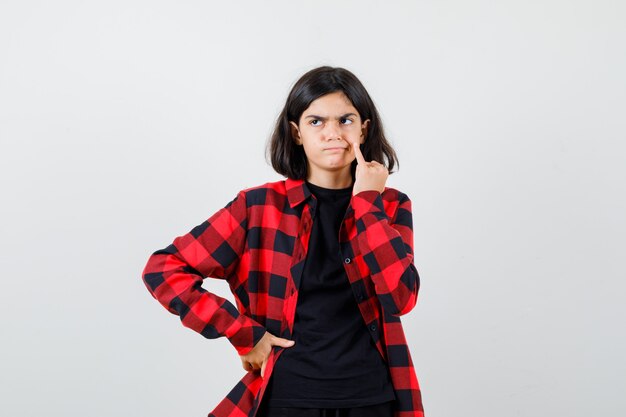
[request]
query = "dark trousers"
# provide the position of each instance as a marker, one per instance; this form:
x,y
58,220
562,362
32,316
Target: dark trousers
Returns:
x,y
376,410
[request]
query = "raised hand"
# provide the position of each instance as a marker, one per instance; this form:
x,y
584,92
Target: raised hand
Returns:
x,y
369,175
257,358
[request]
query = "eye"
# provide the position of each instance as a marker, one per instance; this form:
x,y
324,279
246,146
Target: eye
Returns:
x,y
346,121
313,121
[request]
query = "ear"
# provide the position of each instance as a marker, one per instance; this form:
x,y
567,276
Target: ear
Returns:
x,y
364,127
295,133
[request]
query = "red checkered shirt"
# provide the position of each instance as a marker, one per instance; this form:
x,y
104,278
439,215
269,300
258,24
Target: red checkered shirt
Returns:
x,y
258,243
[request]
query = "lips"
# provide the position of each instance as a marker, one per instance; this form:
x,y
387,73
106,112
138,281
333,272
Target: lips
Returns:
x,y
336,147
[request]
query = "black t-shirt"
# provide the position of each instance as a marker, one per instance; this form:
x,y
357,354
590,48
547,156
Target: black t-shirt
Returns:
x,y
334,362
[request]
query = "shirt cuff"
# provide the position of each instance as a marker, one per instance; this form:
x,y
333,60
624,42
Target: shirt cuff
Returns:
x,y
248,335
368,201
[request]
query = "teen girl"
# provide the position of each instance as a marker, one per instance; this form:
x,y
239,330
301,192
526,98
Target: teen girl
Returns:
x,y
320,265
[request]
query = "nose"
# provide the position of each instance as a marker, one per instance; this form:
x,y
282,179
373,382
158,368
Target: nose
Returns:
x,y
332,131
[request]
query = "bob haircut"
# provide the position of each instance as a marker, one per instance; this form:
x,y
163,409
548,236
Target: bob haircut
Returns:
x,y
289,159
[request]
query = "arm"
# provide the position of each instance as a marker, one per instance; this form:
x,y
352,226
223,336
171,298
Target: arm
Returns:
x,y
387,248
174,277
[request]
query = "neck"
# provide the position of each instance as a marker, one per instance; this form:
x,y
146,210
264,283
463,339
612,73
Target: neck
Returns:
x,y
331,180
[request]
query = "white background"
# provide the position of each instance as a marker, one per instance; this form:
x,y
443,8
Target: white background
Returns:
x,y
123,124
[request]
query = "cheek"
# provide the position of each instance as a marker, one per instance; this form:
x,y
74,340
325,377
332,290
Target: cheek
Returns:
x,y
310,151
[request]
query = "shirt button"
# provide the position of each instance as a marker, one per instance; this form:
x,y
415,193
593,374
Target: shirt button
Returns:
x,y
373,327
347,260
360,297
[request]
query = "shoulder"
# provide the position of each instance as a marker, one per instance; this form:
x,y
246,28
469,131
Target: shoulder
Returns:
x,y
270,185
262,193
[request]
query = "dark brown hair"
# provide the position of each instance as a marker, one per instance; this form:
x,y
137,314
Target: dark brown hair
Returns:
x,y
289,159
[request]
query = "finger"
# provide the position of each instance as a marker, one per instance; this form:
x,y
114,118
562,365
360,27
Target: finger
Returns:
x,y
253,367
378,165
263,367
279,341
357,152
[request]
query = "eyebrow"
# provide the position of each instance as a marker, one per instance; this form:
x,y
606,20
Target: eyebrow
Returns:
x,y
313,116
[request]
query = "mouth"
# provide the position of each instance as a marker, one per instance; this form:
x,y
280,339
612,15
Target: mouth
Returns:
x,y
335,148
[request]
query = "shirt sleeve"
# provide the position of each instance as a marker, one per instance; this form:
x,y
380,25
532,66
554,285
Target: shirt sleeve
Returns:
x,y
387,248
174,277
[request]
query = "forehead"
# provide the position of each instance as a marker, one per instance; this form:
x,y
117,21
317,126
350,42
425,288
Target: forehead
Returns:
x,y
335,103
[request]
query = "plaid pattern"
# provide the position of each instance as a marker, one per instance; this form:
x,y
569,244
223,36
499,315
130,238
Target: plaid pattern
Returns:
x,y
258,242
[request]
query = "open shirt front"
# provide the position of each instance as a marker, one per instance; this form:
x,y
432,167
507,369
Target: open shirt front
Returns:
x,y
258,242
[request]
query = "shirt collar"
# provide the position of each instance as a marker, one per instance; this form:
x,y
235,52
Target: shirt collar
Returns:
x,y
297,191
